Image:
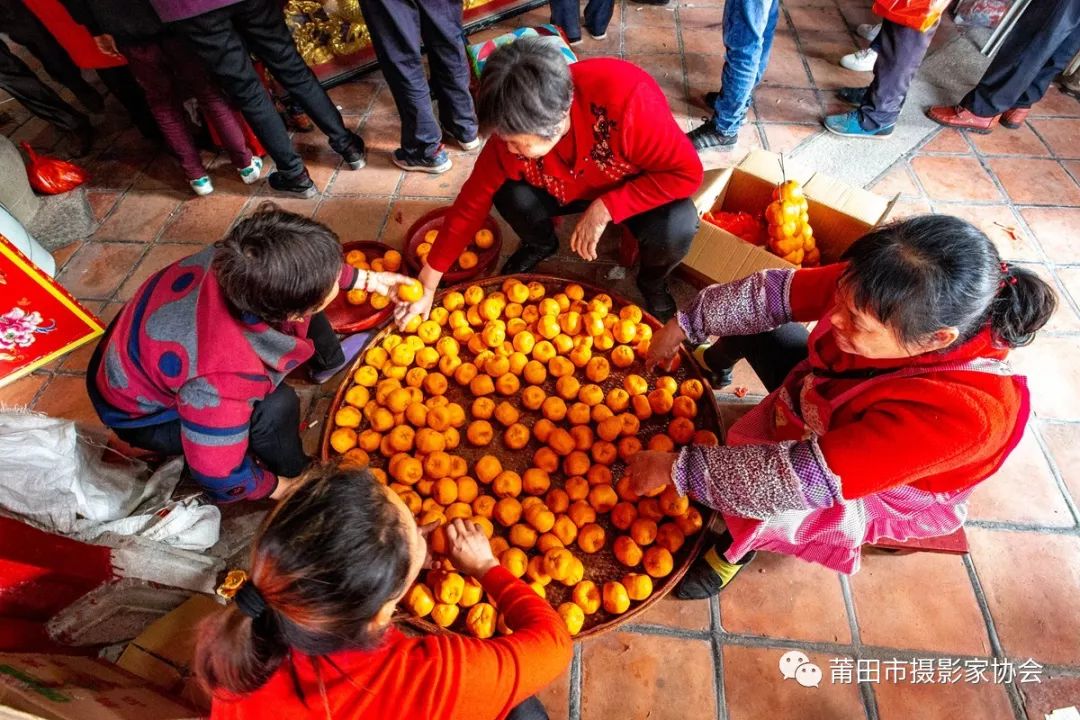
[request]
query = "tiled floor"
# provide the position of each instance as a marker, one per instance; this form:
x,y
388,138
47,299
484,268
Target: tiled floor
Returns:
x,y
1015,597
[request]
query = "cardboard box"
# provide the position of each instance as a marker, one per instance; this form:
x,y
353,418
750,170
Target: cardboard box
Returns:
x,y
163,652
839,214
61,687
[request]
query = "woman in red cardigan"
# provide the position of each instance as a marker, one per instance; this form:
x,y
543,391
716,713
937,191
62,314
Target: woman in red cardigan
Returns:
x,y
596,137
881,421
310,634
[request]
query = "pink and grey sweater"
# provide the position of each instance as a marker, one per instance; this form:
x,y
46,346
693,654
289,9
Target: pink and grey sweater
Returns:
x,y
178,351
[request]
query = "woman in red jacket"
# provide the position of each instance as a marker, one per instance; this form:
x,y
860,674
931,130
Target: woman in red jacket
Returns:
x,y
879,422
310,634
596,137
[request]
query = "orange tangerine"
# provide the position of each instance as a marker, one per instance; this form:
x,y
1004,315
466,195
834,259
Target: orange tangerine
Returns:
x,y
682,430
419,600
566,387
661,401
559,563
546,459
627,551
684,407
487,468
536,572
532,397
437,465
508,385
481,385
643,531
522,536
638,586
536,291
658,562
561,442
603,498
408,471
401,438
599,475
444,491
543,429
573,617
649,509
358,396
615,598
670,537
506,484
578,414
543,351
690,523
347,417
628,448
506,414
483,506
467,488
482,408
507,512
623,515
673,504
369,440
591,394
582,513
515,560
516,436
554,409
587,597
557,500
630,424
583,436
343,439
480,433
600,413
540,518
577,488
576,463
548,541
564,529
465,373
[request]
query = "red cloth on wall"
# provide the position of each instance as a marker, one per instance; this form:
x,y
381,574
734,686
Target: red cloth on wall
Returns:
x,y
75,38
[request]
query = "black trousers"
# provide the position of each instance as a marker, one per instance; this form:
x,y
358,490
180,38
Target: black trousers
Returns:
x,y
664,233
529,709
273,436
23,27
900,53
1045,39
224,38
21,83
772,354
398,28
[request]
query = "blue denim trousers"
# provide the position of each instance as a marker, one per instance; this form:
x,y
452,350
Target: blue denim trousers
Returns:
x,y
565,14
749,26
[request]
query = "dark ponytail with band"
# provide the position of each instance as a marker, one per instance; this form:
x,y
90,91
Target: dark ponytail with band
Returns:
x,y
326,560
936,271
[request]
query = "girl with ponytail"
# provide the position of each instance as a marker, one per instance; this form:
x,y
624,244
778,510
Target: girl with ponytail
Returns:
x,y
879,422
310,634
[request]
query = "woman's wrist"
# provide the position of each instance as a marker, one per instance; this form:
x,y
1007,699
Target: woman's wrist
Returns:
x,y
429,277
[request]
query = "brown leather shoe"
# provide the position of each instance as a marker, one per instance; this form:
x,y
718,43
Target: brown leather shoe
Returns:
x,y
1014,118
958,117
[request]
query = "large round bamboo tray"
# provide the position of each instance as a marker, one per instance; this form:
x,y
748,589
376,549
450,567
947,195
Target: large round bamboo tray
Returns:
x,y
601,566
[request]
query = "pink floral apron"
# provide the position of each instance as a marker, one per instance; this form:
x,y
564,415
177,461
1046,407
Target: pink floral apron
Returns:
x,y
833,536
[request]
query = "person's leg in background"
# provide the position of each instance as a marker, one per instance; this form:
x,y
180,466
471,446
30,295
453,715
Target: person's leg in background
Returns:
x,y
664,235
25,29
262,26
772,354
442,33
566,15
529,211
749,26
1044,41
212,37
153,70
597,17
529,709
121,83
21,83
215,108
395,35
900,53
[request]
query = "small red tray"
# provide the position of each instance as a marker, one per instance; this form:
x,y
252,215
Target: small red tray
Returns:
x,y
347,318
434,221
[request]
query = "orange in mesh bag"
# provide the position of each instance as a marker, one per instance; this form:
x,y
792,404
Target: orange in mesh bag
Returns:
x,y
50,175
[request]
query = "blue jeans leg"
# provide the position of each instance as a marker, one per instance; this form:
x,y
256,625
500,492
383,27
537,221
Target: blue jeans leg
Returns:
x,y
597,15
565,14
749,26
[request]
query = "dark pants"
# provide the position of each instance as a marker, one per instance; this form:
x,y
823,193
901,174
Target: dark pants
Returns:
x,y
166,73
529,709
22,84
24,28
564,13
664,233
1045,39
772,354
224,38
398,28
273,436
900,52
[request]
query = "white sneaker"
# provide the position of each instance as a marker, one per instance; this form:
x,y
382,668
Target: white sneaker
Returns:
x,y
251,173
868,31
202,186
861,61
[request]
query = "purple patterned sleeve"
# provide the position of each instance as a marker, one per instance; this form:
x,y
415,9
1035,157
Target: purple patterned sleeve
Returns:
x,y
757,481
755,304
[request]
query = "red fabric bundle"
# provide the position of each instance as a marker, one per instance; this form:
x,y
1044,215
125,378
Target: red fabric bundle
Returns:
x,y
75,38
740,224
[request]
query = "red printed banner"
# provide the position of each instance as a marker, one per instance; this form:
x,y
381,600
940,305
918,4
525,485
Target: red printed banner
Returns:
x,y
39,320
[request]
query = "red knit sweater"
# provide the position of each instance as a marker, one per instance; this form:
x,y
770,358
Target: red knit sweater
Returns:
x,y
436,677
623,146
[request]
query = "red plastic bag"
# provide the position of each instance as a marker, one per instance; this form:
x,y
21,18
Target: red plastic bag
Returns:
x,y
918,14
50,175
740,224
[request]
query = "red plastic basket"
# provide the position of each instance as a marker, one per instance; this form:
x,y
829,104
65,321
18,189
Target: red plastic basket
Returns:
x,y
347,318
434,221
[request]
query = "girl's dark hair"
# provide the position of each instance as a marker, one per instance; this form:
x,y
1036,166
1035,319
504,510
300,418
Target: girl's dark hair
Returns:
x,y
276,264
525,89
326,560
935,271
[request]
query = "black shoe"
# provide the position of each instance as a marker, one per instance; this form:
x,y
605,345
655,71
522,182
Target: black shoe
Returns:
x,y
660,305
355,155
526,258
300,185
707,136
702,580
717,378
852,95
710,99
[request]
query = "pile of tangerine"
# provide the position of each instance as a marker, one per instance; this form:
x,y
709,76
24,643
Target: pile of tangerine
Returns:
x,y
470,258
501,350
390,261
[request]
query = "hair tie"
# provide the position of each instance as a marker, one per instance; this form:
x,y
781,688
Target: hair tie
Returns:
x,y
250,601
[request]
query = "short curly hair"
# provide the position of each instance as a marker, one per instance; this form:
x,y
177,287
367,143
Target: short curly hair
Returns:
x,y
526,89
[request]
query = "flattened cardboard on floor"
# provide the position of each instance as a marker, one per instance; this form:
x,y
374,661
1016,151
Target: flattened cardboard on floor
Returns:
x,y
839,214
61,687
